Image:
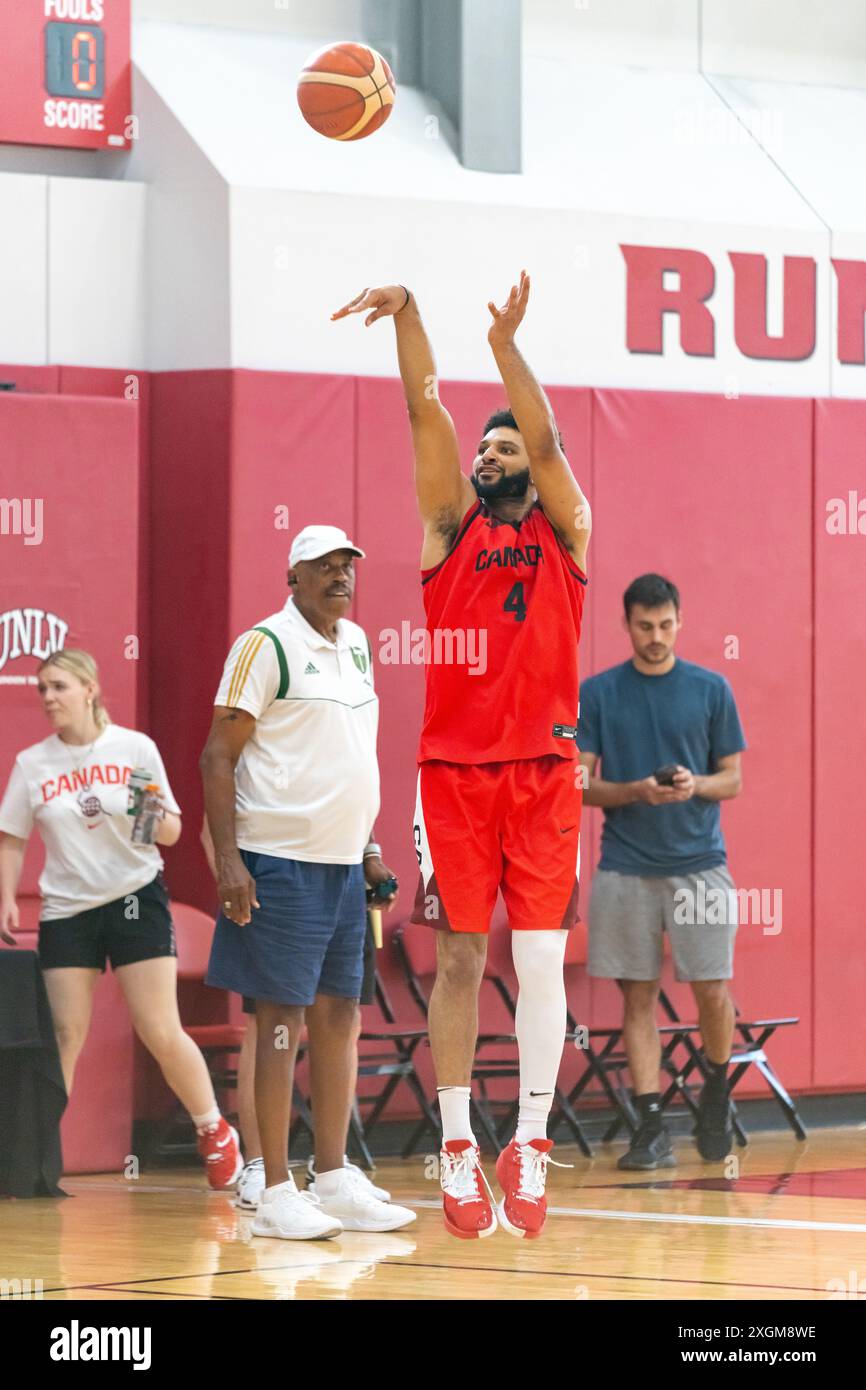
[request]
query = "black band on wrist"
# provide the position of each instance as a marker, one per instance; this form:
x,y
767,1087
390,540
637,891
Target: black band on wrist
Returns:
x,y
408,297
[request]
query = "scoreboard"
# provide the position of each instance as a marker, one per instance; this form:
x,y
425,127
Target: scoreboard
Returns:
x,y
66,73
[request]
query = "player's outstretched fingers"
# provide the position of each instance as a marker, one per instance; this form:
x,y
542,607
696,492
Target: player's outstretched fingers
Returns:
x,y
353,307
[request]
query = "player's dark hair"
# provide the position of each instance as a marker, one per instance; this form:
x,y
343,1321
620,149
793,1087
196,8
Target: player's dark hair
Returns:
x,y
650,591
504,420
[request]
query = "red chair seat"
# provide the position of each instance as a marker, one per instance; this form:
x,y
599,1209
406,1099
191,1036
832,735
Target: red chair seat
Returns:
x,y
216,1034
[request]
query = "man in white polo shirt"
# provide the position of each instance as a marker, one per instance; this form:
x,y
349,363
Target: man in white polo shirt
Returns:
x,y
291,787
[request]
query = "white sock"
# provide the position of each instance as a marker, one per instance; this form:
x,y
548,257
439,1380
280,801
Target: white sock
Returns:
x,y
454,1109
532,1115
539,1025
287,1182
210,1117
327,1184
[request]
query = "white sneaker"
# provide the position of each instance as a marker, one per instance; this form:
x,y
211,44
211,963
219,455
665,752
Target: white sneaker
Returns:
x,y
356,1210
370,1188
251,1185
292,1215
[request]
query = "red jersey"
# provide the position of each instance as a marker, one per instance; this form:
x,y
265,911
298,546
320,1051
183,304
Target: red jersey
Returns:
x,y
503,622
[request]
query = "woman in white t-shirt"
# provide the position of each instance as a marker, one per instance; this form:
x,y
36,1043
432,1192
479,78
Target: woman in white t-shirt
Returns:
x,y
102,893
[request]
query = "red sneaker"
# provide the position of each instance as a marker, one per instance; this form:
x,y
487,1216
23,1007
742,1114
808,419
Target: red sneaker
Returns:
x,y
220,1148
521,1170
466,1205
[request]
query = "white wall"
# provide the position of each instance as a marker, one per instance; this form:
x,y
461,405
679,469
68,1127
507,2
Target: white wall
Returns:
x,y
187,241
327,19
805,41
297,256
72,272
235,229
637,33
23,260
96,273
809,41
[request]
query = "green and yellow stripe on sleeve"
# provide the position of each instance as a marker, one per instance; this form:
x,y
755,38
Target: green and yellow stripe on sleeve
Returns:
x,y
247,655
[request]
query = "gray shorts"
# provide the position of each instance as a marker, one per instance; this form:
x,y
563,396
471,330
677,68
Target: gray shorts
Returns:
x,y
628,915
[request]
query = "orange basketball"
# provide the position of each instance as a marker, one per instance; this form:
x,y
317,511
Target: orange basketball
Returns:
x,y
346,91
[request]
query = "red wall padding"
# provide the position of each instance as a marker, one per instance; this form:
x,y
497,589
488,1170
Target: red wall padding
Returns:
x,y
167,519
81,457
717,495
839,943
190,422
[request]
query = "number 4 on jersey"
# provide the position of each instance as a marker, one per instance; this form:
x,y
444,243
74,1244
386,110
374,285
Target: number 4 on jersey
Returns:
x,y
515,603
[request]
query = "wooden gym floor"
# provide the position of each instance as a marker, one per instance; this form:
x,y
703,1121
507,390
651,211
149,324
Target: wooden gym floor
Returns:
x,y
791,1226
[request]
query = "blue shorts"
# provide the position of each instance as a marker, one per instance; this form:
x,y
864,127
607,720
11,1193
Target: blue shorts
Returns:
x,y
305,938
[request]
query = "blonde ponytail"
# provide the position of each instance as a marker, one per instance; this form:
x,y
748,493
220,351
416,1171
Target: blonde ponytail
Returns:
x,y
81,665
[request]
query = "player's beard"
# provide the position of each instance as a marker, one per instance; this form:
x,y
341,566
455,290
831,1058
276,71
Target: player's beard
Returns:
x,y
510,485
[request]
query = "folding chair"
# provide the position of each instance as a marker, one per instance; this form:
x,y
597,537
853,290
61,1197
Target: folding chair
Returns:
x,y
605,1065
678,1033
575,953
751,1052
394,1059
397,1064
416,949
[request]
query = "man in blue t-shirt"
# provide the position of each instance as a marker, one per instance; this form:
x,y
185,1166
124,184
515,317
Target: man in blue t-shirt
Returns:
x,y
663,864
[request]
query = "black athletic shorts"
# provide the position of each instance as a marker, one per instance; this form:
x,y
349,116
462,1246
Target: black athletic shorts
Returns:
x,y
368,984
110,931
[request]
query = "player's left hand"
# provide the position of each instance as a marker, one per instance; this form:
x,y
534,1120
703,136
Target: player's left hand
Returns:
x,y
684,783
375,872
507,320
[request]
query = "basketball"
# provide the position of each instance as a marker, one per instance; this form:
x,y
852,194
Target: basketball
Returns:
x,y
346,91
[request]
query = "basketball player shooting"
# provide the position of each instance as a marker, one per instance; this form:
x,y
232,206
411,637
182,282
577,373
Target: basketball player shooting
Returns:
x,y
499,795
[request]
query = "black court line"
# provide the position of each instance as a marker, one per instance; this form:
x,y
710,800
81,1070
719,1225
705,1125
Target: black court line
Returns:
x,y
163,1293
214,1274
597,1274
452,1269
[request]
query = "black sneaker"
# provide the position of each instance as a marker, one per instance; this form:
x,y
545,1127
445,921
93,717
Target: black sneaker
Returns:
x,y
714,1131
649,1148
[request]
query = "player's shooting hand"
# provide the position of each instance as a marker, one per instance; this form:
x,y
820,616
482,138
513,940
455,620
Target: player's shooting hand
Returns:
x,y
237,890
507,319
375,872
376,304
9,922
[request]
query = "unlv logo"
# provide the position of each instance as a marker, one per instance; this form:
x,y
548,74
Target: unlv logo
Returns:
x,y
28,632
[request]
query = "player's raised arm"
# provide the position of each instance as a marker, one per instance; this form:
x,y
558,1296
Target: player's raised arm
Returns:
x,y
444,493
564,503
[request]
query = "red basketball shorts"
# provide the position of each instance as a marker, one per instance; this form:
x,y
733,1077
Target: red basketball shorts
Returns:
x,y
513,826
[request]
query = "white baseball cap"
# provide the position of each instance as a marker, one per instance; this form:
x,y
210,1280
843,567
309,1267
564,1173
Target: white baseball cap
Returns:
x,y
315,541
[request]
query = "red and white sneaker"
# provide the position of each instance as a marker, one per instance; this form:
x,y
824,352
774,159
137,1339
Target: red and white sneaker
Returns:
x,y
220,1148
467,1202
521,1170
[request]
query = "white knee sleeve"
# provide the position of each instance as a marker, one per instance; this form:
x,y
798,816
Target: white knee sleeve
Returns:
x,y
540,1023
